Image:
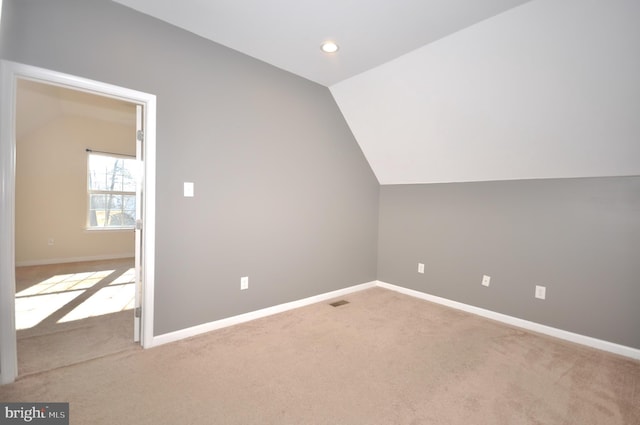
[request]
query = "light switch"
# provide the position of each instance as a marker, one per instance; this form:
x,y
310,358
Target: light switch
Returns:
x,y
188,190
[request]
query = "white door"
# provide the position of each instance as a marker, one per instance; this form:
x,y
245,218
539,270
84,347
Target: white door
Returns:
x,y
139,225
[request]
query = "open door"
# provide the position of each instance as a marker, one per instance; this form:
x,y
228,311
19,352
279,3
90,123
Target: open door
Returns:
x,y
10,72
137,326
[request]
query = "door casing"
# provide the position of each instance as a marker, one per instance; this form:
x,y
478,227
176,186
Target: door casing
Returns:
x,y
10,72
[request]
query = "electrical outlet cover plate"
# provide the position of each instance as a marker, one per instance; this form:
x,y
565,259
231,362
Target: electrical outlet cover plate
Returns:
x,y
244,283
541,292
486,280
420,267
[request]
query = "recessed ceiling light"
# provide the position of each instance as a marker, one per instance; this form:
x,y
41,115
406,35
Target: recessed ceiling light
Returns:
x,y
329,47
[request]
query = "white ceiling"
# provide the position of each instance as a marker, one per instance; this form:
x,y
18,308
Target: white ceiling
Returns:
x,y
441,91
549,89
288,33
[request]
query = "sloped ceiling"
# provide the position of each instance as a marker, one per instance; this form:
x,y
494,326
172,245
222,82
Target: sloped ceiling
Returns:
x,y
288,33
549,89
455,90
38,104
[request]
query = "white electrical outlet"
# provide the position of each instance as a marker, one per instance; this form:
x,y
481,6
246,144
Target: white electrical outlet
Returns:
x,y
420,268
541,292
244,283
486,280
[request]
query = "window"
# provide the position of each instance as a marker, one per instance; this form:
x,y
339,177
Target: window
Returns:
x,y
112,192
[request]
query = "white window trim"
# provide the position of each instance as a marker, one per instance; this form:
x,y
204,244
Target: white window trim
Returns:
x,y
105,192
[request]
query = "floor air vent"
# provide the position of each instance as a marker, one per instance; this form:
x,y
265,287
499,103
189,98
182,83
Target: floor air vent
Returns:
x,y
339,303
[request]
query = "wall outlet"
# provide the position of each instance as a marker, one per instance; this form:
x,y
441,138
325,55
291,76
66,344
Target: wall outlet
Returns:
x,y
541,292
420,267
50,242
486,280
244,283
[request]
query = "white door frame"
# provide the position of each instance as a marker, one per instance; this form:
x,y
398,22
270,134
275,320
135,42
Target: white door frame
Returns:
x,y
10,72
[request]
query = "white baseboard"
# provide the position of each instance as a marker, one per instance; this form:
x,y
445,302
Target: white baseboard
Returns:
x,y
73,259
611,347
242,318
510,320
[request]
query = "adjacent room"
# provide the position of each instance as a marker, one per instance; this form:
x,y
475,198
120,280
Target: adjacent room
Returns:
x,y
407,212
74,240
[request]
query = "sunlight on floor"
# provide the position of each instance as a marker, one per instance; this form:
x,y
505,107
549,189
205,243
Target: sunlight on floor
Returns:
x,y
111,299
127,277
65,282
32,310
36,303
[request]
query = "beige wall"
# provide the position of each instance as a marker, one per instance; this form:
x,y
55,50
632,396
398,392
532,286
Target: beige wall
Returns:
x,y
51,182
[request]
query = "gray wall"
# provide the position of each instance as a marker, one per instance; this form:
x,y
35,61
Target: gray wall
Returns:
x,y
283,192
578,237
284,195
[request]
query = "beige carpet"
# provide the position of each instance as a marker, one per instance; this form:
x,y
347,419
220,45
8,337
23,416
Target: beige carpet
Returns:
x,y
93,295
384,358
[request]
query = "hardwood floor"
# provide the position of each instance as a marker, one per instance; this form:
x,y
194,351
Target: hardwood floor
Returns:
x,y
72,312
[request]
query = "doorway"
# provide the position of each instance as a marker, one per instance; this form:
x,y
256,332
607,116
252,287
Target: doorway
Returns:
x,y
76,172
12,73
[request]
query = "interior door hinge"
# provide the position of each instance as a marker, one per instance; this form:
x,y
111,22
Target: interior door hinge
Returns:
x,y
138,224
138,312
140,135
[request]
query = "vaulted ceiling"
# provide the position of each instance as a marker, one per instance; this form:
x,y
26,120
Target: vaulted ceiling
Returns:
x,y
39,104
454,90
288,33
